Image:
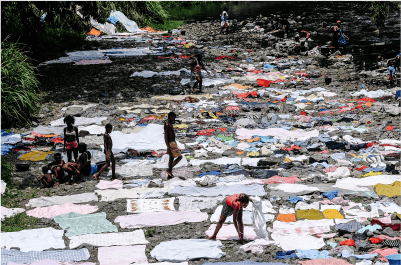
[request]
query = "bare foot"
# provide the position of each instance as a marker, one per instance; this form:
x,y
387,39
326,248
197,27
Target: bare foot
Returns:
x,y
57,184
211,238
113,178
170,174
96,177
192,89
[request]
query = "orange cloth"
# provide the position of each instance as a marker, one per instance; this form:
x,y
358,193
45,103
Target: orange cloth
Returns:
x,y
375,240
95,32
286,217
390,128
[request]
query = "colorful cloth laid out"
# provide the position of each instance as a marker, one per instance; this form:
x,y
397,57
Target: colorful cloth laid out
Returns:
x,y
55,210
35,156
150,205
122,255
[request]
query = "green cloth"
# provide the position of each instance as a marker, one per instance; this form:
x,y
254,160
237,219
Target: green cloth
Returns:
x,y
78,224
225,138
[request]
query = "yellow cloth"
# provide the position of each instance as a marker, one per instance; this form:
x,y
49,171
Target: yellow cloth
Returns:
x,y
332,214
389,190
287,160
181,126
311,214
35,155
253,153
371,173
189,45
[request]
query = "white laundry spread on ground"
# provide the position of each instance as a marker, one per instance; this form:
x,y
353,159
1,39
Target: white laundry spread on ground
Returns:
x,y
187,249
328,206
34,240
366,181
246,216
136,168
9,212
278,133
151,73
198,203
150,138
340,172
122,255
226,160
136,237
253,189
306,206
80,121
55,200
293,188
111,195
163,162
257,246
292,242
209,81
93,129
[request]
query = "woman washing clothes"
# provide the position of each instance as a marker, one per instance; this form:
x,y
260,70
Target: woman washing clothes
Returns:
x,y
233,204
196,67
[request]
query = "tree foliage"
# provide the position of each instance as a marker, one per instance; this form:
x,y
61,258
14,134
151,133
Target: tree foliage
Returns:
x,y
380,10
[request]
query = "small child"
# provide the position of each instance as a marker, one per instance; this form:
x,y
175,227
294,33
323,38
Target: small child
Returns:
x,y
233,205
47,178
71,139
196,67
108,147
84,159
224,21
56,167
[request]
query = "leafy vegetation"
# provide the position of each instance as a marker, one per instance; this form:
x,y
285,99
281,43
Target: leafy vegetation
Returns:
x,y
150,232
380,10
19,87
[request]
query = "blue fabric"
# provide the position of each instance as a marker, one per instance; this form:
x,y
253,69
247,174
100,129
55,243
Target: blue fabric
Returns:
x,y
295,199
5,149
93,169
214,173
350,226
391,70
312,254
270,66
371,228
19,257
112,20
331,194
342,39
398,94
346,254
285,255
4,133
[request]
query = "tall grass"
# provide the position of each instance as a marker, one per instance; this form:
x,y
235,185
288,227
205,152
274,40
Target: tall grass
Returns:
x,y
19,87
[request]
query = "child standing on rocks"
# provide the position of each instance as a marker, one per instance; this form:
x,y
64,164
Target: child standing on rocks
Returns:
x,y
71,139
172,148
196,67
233,205
391,72
108,146
224,21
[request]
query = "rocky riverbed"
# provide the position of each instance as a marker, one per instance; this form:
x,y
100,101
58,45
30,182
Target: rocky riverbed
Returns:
x,y
257,81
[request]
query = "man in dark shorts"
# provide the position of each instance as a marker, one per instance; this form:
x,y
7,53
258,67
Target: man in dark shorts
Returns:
x,y
108,146
172,148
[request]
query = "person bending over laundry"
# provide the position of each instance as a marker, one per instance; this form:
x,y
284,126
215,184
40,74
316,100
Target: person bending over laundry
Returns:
x,y
108,151
172,148
71,139
71,168
233,204
224,21
196,67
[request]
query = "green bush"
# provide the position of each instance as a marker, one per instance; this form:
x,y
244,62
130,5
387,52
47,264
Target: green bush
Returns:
x,y
19,86
7,171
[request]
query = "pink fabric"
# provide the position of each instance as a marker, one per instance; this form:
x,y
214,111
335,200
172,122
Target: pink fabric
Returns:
x,y
53,262
387,237
115,184
330,169
330,261
52,211
326,202
385,252
97,61
122,255
303,230
281,180
232,108
339,200
385,220
326,235
303,118
228,232
160,218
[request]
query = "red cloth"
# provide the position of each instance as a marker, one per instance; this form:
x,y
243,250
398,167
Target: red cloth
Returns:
x,y
361,168
349,242
366,100
223,129
395,227
58,140
371,144
303,113
291,148
233,201
264,83
375,240
390,128
224,57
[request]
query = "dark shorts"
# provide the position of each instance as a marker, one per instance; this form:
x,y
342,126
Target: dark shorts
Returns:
x,y
227,210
